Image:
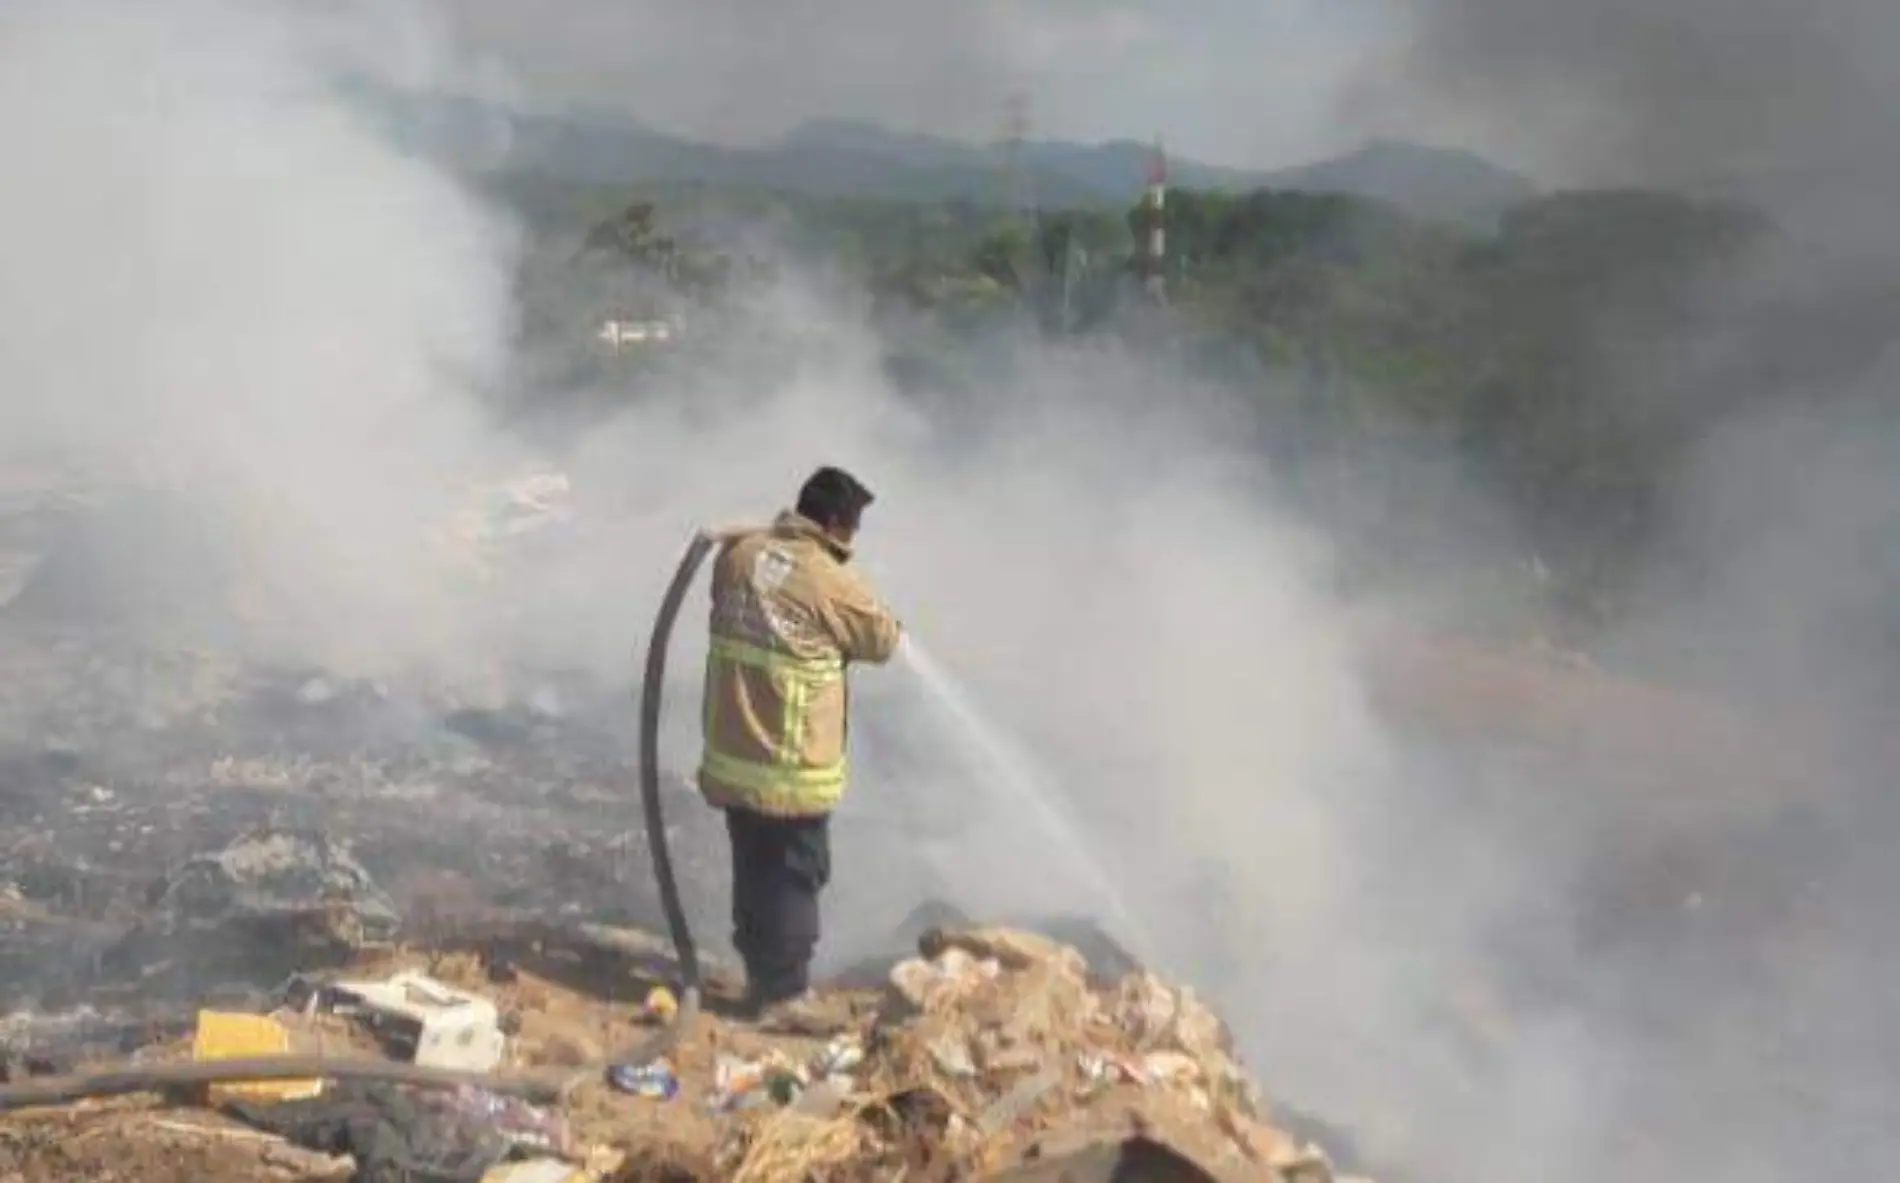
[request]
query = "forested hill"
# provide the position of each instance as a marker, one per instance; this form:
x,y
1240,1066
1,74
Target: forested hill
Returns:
x,y
1566,359
846,158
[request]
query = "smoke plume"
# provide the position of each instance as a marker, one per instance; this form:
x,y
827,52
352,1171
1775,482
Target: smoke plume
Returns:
x,y
217,278
1784,102
1770,587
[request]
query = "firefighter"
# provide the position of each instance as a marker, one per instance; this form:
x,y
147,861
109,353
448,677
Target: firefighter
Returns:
x,y
789,615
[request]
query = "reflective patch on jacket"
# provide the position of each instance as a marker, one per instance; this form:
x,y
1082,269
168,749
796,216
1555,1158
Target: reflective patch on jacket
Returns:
x,y
787,616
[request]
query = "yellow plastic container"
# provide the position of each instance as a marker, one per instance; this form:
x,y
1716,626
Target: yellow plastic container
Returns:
x,y
661,1004
222,1036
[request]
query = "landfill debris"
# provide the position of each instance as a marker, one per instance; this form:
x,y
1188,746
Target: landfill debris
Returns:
x,y
773,1078
941,981
1100,1072
1004,1058
1002,1043
1010,1108
35,1044
839,1056
951,1055
519,1124
288,878
1176,1068
746,1084
438,1025
602,1163
392,1133
785,1086
534,1170
223,1036
660,1005
826,1098
1157,1012
646,1080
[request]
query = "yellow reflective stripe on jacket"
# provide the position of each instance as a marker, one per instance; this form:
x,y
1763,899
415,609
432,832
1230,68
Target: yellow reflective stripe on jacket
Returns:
x,y
796,677
797,695
783,785
775,788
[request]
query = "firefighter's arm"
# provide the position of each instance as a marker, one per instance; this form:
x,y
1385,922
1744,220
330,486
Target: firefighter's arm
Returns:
x,y
863,627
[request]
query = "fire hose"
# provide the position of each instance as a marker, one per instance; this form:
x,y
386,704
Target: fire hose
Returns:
x,y
162,1078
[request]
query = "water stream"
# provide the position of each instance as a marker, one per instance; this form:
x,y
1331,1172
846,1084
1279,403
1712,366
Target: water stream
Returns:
x,y
1011,772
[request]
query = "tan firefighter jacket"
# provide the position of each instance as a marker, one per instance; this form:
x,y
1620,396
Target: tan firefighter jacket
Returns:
x,y
787,616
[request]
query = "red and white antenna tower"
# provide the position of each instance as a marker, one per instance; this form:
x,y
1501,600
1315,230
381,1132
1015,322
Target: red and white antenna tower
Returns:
x,y
1155,251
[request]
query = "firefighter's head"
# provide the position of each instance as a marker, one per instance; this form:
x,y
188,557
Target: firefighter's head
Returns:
x,y
834,500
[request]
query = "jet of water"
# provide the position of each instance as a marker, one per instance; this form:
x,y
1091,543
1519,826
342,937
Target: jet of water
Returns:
x,y
1030,792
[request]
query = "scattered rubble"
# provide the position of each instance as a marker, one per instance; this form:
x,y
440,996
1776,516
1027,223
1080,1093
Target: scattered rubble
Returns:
x,y
267,878
437,1025
270,903
184,831
182,827
993,1054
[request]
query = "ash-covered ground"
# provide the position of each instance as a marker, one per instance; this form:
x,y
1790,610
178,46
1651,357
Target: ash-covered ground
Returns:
x,y
135,736
122,764
181,821
176,813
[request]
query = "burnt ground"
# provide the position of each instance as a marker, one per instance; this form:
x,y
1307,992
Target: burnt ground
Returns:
x,y
134,736
121,759
122,765
130,774
119,764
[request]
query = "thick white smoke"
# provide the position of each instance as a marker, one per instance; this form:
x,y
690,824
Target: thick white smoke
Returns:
x,y
216,274
215,271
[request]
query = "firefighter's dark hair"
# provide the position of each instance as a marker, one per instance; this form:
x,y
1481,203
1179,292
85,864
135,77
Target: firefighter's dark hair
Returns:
x,y
833,497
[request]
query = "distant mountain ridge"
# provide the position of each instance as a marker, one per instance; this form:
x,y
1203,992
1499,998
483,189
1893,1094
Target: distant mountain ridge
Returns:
x,y
845,158
1440,184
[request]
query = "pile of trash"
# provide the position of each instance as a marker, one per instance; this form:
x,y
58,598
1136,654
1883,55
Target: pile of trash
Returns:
x,y
266,905
265,875
994,1054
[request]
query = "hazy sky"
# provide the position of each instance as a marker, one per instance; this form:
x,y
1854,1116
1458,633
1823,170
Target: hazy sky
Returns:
x,y
1229,81
1659,87
1569,90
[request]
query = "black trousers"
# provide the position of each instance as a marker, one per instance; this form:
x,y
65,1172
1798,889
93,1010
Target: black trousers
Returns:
x,y
779,867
